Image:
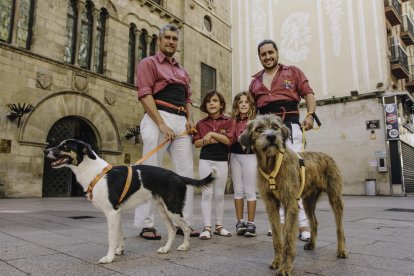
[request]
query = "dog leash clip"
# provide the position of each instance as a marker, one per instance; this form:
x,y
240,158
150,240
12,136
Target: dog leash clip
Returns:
x,y
272,184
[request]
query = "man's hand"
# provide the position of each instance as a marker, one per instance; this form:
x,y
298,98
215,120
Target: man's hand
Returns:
x,y
307,123
189,124
169,134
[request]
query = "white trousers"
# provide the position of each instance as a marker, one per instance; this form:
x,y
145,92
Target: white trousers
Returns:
x,y
181,152
215,190
296,146
243,174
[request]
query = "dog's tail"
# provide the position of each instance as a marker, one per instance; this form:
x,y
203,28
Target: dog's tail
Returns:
x,y
200,183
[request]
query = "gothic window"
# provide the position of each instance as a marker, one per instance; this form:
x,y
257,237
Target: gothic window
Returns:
x,y
22,10
208,79
153,45
6,20
131,53
71,22
24,23
100,41
143,43
86,37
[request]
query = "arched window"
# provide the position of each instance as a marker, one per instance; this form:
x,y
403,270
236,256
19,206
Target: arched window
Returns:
x,y
100,42
143,43
86,37
153,45
131,53
23,10
24,23
71,22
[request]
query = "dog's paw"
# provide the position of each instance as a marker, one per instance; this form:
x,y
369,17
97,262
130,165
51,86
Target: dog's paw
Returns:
x,y
309,246
119,251
106,260
342,254
283,272
183,247
163,250
274,265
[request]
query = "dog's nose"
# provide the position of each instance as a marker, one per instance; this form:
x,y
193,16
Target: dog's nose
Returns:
x,y
271,137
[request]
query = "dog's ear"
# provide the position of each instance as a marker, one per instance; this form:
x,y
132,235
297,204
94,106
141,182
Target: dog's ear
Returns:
x,y
285,132
246,142
89,152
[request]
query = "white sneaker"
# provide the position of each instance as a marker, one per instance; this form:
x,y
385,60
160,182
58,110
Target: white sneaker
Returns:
x,y
304,236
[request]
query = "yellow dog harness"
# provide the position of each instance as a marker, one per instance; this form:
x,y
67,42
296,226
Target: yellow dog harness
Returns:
x,y
271,178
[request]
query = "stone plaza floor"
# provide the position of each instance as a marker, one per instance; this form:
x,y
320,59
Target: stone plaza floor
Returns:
x,y
67,236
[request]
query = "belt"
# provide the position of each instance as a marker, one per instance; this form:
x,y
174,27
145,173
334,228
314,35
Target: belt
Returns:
x,y
166,104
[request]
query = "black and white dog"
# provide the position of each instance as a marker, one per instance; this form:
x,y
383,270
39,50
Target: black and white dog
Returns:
x,y
167,188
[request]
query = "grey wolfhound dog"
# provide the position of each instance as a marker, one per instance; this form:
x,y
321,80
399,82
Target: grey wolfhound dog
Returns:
x,y
266,136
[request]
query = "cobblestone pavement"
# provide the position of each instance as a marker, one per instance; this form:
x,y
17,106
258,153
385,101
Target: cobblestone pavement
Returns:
x,y
66,236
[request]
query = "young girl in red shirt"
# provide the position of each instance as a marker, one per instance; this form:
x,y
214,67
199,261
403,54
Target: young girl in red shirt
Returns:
x,y
214,137
243,166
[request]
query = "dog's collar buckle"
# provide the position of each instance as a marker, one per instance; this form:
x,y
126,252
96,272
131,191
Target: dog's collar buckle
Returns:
x,y
271,178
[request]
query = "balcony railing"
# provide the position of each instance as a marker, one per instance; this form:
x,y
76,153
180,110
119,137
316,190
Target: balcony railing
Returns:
x,y
407,32
409,83
399,62
393,11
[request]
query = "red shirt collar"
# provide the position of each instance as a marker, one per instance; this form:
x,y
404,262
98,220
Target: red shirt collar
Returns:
x,y
161,57
260,73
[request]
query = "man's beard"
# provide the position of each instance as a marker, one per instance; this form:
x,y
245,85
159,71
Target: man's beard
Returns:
x,y
273,66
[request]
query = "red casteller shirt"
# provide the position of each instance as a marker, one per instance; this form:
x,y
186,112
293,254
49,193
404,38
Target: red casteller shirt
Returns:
x,y
289,84
238,129
154,73
222,125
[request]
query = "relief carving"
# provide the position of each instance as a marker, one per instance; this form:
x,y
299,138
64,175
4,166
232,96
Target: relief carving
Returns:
x,y
80,83
44,80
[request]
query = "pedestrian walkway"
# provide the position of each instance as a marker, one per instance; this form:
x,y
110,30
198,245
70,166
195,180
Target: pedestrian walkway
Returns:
x,y
67,236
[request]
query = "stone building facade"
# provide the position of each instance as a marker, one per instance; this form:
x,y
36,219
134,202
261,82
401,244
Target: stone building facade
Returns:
x,y
67,71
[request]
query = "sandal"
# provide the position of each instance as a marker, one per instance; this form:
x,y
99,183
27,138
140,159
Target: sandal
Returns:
x,y
205,234
193,233
152,230
221,231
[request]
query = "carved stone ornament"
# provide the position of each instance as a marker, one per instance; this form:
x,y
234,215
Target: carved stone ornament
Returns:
x,y
110,97
80,83
44,80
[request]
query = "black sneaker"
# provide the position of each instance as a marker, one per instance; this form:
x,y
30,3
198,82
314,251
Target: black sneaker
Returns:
x,y
250,230
240,228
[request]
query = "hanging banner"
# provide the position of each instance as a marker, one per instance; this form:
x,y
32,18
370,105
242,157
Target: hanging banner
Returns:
x,y
391,121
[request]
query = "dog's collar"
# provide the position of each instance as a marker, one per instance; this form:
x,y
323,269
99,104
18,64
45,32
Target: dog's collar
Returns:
x,y
271,178
96,179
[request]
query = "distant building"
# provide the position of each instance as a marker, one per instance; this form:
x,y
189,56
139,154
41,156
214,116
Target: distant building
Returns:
x,y
358,56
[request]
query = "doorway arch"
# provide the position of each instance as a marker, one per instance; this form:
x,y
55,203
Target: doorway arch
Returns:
x,y
62,182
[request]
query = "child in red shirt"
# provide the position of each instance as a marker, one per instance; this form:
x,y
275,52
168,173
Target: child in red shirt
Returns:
x,y
214,137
